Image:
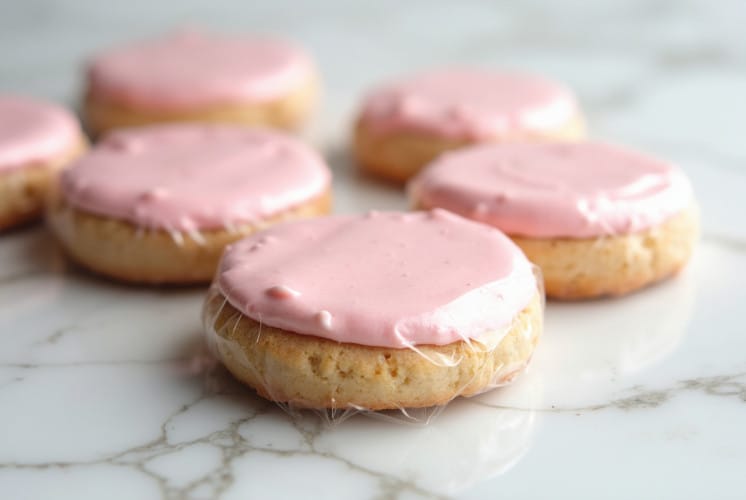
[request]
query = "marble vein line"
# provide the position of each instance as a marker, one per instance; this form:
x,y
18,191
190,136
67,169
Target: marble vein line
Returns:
x,y
641,398
57,334
62,331
732,243
232,445
710,54
85,364
10,279
11,381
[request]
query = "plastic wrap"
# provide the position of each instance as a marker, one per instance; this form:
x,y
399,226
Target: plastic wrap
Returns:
x,y
281,365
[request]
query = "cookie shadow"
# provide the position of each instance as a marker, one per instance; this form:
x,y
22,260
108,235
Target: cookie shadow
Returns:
x,y
29,252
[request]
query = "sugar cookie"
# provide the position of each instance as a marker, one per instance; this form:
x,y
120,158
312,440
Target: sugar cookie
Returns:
x,y
406,124
194,76
598,219
377,311
158,204
36,140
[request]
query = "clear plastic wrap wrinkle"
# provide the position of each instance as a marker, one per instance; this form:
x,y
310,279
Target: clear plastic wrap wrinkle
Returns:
x,y
339,380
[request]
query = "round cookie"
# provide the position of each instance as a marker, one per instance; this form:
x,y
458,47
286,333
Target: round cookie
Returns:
x,y
36,140
192,76
405,124
158,204
377,311
597,219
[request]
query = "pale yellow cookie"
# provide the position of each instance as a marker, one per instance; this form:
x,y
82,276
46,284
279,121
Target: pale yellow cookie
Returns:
x,y
24,189
37,140
158,204
196,76
405,124
305,371
399,155
118,249
288,112
613,265
598,219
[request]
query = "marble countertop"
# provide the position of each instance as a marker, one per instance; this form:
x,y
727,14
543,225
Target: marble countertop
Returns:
x,y
106,391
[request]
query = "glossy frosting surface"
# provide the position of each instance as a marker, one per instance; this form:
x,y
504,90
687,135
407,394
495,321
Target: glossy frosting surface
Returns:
x,y
470,104
382,279
190,69
581,190
191,176
32,131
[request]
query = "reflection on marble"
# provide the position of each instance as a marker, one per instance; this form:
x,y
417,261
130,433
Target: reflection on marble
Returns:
x,y
106,391
445,456
204,447
618,338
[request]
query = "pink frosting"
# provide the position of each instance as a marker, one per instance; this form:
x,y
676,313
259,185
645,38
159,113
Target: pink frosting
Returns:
x,y
32,132
191,69
381,279
582,190
190,176
471,104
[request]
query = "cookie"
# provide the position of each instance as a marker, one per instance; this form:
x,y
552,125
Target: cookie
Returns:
x,y
405,124
37,139
158,204
193,76
377,311
598,219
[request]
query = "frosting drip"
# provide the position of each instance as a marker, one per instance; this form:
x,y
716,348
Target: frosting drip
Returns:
x,y
582,190
187,177
189,69
470,104
381,279
32,132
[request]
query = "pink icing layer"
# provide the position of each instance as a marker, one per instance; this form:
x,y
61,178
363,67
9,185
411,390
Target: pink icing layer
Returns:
x,y
32,132
185,177
191,69
471,104
580,190
381,279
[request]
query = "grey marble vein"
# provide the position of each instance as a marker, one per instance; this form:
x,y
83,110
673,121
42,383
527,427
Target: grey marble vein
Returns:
x,y
732,243
643,71
730,386
91,363
19,276
232,445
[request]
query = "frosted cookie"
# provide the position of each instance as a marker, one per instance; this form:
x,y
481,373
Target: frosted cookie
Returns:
x,y
194,76
405,124
158,204
598,219
377,311
36,140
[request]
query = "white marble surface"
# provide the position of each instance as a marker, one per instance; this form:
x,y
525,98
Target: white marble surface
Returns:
x,y
106,391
